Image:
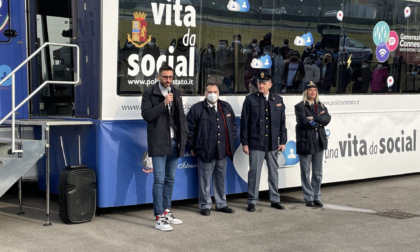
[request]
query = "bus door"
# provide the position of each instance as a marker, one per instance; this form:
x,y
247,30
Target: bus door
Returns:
x,y
51,22
65,22
12,53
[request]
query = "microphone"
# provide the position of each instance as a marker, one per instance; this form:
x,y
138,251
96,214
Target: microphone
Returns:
x,y
169,91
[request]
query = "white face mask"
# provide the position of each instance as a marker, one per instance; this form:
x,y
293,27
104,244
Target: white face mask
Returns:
x,y
379,66
212,97
364,66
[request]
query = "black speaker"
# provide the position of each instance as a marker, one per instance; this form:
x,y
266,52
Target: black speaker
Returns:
x,y
77,194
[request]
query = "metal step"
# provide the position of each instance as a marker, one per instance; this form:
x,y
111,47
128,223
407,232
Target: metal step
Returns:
x,y
12,167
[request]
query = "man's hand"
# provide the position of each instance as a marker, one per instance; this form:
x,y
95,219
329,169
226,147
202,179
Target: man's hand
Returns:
x,y
168,99
245,149
282,147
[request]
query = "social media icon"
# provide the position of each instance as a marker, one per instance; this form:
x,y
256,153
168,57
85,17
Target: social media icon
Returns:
x,y
340,15
392,43
407,12
390,81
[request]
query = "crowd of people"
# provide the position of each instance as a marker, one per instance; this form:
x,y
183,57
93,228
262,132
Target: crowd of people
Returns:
x,y
229,65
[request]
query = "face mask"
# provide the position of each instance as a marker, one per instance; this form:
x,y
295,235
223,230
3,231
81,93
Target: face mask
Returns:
x,y
221,46
209,50
266,53
236,41
247,50
254,45
379,66
212,97
414,73
151,44
173,44
364,66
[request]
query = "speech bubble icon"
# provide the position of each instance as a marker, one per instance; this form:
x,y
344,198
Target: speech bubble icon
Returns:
x,y
390,81
340,15
393,40
407,12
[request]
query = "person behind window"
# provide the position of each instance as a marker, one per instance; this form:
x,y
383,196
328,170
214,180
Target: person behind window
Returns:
x,y
224,65
162,109
266,41
263,135
379,79
151,48
311,141
284,50
277,70
293,73
211,137
361,78
312,72
256,50
327,74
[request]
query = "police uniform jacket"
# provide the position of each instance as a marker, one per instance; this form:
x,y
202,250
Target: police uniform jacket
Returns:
x,y
202,135
253,124
306,131
156,114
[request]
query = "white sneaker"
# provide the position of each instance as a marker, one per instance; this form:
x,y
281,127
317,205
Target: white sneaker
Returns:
x,y
162,224
170,218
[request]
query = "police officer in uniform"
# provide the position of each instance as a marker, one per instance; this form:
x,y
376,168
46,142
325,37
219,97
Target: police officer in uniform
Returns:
x,y
311,118
263,135
211,137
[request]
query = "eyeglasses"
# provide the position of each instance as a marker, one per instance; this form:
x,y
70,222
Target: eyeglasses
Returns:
x,y
167,77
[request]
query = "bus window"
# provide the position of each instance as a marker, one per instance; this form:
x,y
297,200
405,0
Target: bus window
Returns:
x,y
229,42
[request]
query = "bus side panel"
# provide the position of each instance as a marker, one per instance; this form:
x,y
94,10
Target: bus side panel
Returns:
x,y
124,171
12,54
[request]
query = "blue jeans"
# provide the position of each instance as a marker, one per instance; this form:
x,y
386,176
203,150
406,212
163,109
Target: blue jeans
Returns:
x,y
164,168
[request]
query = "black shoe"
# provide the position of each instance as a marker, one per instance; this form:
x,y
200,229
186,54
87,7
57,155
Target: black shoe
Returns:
x,y
205,212
309,204
225,209
277,206
318,203
251,208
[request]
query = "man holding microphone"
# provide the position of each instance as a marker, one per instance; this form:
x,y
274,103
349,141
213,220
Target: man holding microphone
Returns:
x,y
163,111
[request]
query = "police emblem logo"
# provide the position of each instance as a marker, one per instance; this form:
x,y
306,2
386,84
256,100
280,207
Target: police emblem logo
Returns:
x,y
262,75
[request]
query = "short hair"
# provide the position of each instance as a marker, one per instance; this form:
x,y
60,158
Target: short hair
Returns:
x,y
212,84
165,67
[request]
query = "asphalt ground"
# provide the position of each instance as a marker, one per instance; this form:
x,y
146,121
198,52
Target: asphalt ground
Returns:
x,y
369,215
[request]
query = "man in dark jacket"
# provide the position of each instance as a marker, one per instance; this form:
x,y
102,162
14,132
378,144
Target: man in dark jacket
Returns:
x,y
211,137
263,135
311,141
163,111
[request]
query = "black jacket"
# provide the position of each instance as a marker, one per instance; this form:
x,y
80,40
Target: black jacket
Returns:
x,y
200,138
252,121
306,132
156,114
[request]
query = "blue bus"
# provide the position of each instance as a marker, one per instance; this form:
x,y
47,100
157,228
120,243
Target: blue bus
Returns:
x,y
371,87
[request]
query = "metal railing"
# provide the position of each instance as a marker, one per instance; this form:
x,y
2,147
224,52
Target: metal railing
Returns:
x,y
12,75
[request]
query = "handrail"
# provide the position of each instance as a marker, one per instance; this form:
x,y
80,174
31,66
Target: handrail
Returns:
x,y
12,74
